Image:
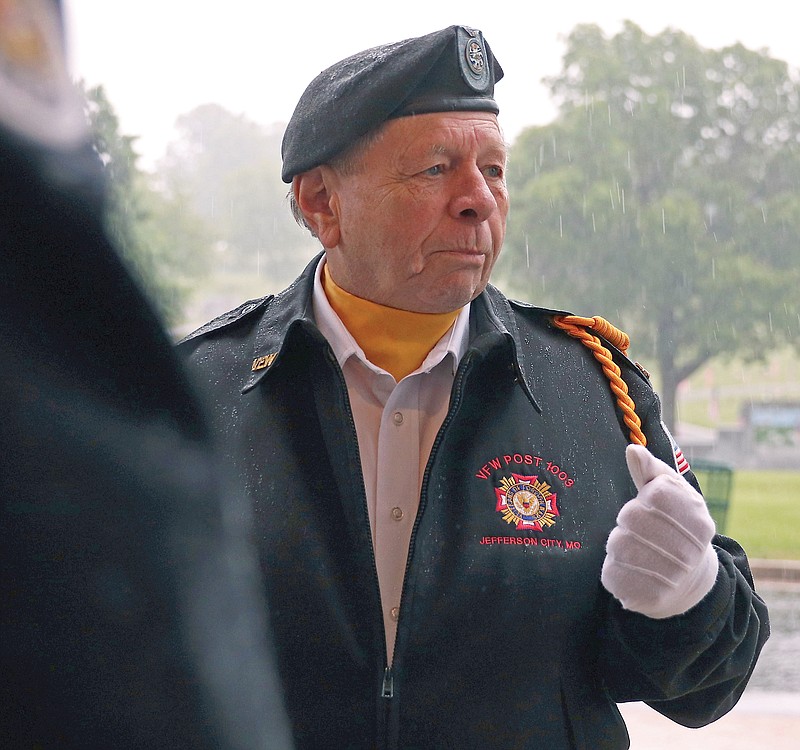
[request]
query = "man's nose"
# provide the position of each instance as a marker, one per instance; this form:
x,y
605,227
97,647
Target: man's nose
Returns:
x,y
473,198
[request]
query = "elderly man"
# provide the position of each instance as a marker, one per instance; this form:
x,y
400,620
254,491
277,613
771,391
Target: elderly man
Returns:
x,y
457,552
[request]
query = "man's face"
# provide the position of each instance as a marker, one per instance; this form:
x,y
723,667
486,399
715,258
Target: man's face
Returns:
x,y
421,220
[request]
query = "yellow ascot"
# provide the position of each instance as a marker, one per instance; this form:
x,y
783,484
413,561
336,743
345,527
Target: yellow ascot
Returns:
x,y
395,340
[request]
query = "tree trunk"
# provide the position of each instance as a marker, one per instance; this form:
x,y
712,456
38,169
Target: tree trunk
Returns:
x,y
669,390
673,373
667,367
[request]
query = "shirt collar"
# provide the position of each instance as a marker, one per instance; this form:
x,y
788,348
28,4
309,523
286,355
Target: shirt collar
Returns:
x,y
293,310
454,343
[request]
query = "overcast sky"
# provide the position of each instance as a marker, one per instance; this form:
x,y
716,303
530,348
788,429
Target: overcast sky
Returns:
x,y
159,59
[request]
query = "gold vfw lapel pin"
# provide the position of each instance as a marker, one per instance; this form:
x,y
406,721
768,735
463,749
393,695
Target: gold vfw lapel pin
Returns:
x,y
259,363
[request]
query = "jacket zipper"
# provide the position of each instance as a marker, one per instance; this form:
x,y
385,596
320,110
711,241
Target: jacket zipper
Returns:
x,y
457,393
387,684
387,690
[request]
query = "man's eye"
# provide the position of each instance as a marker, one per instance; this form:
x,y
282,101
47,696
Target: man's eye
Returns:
x,y
437,169
494,172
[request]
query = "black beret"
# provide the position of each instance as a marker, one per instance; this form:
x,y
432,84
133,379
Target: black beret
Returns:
x,y
446,71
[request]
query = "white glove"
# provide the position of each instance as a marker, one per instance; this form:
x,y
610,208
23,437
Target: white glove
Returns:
x,y
659,559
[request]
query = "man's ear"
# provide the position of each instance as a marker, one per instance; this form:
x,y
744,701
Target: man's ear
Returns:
x,y
314,195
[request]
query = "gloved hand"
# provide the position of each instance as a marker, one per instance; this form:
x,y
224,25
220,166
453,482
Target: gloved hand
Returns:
x,y
659,559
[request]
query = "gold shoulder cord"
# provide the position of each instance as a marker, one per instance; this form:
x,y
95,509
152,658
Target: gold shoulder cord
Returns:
x,y
577,327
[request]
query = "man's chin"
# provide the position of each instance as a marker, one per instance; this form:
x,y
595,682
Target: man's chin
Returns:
x,y
450,297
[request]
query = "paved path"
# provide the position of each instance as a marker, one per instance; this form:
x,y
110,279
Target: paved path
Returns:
x,y
760,721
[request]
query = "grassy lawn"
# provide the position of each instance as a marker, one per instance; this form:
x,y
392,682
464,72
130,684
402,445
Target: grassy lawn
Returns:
x,y
764,514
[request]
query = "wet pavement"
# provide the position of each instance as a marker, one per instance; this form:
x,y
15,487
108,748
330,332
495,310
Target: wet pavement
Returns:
x,y
778,669
767,715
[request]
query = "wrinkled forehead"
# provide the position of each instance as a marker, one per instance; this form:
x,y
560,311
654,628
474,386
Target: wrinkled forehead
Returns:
x,y
470,129
442,132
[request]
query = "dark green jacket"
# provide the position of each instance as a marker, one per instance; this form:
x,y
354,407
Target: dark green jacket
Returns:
x,y
506,638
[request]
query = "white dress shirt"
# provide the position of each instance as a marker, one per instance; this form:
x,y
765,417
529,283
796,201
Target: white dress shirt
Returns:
x,y
396,424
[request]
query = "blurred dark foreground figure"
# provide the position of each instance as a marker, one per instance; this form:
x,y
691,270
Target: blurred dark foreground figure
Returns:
x,y
130,605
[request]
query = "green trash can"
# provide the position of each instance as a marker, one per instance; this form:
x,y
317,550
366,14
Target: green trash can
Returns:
x,y
716,482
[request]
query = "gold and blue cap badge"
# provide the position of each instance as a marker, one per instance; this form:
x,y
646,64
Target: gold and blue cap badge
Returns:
x,y
449,70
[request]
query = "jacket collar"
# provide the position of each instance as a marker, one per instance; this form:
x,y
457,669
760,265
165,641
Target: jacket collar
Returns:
x,y
493,315
292,311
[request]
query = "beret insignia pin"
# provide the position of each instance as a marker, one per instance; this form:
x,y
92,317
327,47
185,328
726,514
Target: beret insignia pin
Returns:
x,y
475,57
473,60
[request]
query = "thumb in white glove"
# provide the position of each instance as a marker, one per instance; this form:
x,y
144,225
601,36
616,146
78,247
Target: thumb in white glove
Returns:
x,y
659,559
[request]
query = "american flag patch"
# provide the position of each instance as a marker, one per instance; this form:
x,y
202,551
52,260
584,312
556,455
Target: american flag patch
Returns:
x,y
681,464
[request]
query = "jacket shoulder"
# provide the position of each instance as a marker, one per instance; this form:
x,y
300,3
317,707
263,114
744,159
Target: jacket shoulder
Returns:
x,y
609,335
230,318
534,313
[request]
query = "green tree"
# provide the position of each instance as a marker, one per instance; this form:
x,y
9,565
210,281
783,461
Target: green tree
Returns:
x,y
161,240
228,168
664,197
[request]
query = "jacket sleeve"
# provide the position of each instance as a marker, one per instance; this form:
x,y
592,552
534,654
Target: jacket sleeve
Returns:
x,y
693,667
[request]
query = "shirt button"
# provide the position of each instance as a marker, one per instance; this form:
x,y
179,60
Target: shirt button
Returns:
x,y
395,613
397,513
398,417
